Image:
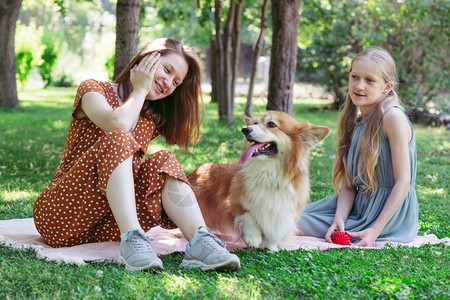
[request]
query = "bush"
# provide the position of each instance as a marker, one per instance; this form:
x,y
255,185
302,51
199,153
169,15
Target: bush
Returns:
x,y
415,32
24,62
63,80
28,49
49,57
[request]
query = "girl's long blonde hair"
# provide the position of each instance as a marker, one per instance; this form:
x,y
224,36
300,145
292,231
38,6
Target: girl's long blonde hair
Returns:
x,y
370,140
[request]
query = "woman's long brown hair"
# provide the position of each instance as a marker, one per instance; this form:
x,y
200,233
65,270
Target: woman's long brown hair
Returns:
x,y
370,140
177,116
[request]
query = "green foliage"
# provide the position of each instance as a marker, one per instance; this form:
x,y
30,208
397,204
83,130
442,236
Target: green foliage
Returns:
x,y
32,139
49,57
84,34
193,21
28,49
24,60
415,32
109,66
63,80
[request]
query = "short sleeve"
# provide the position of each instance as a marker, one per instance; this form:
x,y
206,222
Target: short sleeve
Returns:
x,y
89,85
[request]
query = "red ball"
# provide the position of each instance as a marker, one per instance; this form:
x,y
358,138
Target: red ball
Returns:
x,y
341,238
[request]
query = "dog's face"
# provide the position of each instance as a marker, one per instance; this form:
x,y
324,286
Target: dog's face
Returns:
x,y
273,134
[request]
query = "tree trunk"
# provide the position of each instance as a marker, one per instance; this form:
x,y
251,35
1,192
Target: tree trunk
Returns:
x,y
127,33
219,63
256,54
227,99
236,46
9,12
224,62
213,70
285,22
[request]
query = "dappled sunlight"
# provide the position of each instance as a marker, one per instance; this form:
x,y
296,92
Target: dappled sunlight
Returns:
x,y
44,95
17,204
59,124
17,195
429,226
392,287
221,285
232,287
178,285
432,139
431,190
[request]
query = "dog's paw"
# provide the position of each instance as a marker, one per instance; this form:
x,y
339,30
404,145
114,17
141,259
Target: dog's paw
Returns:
x,y
250,230
253,239
273,248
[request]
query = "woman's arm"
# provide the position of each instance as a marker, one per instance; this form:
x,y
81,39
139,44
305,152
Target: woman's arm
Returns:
x,y
399,133
96,108
345,201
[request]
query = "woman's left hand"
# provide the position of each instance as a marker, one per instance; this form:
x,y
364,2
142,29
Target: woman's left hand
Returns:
x,y
367,237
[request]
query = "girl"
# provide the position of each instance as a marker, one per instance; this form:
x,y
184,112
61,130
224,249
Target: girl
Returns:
x,y
375,167
102,191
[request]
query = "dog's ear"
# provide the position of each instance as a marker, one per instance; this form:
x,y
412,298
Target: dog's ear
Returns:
x,y
248,121
312,135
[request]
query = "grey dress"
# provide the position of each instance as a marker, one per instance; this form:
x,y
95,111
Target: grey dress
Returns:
x,y
318,216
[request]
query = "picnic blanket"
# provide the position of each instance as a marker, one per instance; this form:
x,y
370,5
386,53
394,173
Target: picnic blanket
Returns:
x,y
22,234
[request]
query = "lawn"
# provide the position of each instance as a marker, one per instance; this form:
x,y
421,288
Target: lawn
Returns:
x,y
31,142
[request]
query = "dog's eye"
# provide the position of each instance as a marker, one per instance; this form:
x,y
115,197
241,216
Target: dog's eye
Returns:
x,y
271,125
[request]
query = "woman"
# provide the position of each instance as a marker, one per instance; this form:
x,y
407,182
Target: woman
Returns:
x,y
104,191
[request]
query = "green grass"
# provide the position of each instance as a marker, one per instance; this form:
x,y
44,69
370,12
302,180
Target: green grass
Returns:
x,y
31,142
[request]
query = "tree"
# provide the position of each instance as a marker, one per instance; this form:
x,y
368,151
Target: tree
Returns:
x,y
285,22
217,25
9,12
127,33
257,47
225,52
415,32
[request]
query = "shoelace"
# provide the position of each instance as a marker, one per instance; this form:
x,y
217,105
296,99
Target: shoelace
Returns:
x,y
139,245
212,240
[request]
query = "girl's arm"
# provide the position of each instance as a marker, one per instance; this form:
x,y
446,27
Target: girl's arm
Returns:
x,y
96,108
345,201
399,133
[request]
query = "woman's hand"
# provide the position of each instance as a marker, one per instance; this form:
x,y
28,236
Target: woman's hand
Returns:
x,y
367,236
336,226
142,74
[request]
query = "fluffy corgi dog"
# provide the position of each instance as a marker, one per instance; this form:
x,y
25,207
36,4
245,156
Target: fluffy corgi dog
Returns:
x,y
262,197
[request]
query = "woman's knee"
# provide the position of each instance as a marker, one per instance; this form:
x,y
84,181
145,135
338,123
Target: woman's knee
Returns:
x,y
178,192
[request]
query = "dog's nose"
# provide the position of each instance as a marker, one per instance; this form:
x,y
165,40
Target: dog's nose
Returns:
x,y
246,130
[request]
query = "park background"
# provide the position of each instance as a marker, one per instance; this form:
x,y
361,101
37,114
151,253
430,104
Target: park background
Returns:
x,y
60,43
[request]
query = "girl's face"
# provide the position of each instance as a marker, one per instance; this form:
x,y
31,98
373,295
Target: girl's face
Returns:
x,y
170,74
366,85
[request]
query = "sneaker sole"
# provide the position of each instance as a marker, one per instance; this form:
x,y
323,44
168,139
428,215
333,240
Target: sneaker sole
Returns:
x,y
155,265
232,264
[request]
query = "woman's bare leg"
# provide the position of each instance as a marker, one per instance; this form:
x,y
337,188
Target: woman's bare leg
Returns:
x,y
121,196
181,206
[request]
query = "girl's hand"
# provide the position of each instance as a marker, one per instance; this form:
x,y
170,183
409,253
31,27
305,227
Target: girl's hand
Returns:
x,y
142,74
367,237
336,226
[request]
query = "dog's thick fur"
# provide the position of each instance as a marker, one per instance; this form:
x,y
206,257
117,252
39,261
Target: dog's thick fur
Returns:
x,y
263,196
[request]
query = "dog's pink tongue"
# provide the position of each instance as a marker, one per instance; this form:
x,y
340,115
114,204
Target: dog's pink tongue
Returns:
x,y
249,152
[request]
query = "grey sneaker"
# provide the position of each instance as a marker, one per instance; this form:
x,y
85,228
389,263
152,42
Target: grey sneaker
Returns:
x,y
209,253
137,254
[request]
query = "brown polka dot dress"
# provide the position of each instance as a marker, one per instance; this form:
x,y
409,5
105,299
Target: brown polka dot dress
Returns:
x,y
73,209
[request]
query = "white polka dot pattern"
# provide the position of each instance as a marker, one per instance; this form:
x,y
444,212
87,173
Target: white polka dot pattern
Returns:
x,y
73,209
